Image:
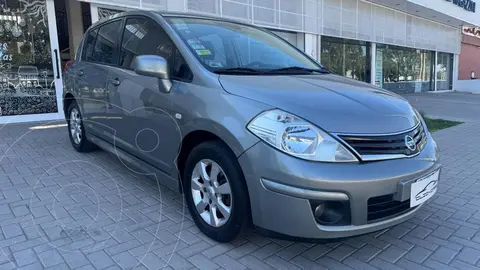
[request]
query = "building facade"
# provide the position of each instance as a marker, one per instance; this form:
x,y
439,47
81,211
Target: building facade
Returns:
x,y
469,64
401,45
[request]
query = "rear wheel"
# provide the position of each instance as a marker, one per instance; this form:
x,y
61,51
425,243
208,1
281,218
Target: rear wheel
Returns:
x,y
215,191
76,130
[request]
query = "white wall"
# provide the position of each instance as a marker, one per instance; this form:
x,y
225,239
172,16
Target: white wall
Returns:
x,y
470,86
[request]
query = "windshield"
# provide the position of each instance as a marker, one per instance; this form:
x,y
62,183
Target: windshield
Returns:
x,y
221,46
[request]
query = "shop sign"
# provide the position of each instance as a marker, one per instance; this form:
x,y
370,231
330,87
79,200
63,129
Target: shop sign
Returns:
x,y
3,52
468,5
471,31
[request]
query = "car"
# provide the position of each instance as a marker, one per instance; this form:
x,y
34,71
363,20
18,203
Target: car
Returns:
x,y
249,128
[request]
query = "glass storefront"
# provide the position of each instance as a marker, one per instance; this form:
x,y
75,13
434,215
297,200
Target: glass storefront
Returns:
x,y
444,71
404,70
27,83
349,58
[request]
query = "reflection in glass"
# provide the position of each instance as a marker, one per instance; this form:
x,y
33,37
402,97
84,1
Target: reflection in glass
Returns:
x,y
404,70
26,75
444,71
348,58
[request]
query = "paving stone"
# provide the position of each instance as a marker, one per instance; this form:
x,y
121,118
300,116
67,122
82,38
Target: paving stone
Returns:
x,y
203,262
279,263
152,261
50,258
12,230
242,250
366,253
406,264
177,262
442,235
316,252
332,264
228,263
418,254
125,260
100,259
437,265
392,254
75,259
341,252
462,265
25,257
357,264
469,255
253,263
443,255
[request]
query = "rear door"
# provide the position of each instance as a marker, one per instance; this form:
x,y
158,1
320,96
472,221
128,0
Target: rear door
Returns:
x,y
100,53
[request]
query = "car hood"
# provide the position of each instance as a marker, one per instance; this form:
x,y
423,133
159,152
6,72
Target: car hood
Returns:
x,y
334,103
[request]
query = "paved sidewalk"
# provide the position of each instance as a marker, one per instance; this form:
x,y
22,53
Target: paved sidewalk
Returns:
x,y
60,209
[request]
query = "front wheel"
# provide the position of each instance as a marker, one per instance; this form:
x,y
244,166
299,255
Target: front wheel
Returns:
x,y
215,191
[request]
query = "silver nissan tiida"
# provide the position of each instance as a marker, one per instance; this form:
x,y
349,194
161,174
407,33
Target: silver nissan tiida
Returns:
x,y
248,127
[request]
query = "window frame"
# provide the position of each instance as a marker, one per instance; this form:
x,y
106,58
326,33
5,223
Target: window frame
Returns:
x,y
116,55
175,48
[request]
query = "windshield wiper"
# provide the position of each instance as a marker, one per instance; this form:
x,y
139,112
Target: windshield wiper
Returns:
x,y
237,70
295,69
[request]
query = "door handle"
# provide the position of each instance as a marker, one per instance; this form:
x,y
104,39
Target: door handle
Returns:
x,y
80,73
56,62
115,82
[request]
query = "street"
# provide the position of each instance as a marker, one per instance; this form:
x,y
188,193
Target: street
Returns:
x,y
60,209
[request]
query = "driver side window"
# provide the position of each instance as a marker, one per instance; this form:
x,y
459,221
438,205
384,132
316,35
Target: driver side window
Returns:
x,y
143,36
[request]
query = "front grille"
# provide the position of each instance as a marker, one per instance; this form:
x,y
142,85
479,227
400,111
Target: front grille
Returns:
x,y
383,207
387,144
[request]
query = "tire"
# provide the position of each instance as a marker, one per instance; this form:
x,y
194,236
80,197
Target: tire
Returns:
x,y
230,172
80,143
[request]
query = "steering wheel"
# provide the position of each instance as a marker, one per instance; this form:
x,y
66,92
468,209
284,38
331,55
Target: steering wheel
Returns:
x,y
254,64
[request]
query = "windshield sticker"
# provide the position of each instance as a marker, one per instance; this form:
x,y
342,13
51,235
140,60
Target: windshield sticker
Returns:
x,y
181,26
215,64
203,52
193,41
197,46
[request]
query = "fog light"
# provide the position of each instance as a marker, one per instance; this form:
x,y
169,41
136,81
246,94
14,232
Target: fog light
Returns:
x,y
331,212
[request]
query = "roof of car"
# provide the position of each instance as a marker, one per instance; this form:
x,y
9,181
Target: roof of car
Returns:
x,y
173,14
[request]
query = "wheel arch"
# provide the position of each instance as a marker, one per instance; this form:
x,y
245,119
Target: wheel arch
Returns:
x,y
68,98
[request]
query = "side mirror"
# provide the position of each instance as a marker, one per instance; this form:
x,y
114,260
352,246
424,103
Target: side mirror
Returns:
x,y
154,66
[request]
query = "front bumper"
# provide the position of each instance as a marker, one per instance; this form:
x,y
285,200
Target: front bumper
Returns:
x,y
281,188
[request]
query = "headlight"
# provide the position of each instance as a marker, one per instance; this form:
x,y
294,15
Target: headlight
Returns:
x,y
295,136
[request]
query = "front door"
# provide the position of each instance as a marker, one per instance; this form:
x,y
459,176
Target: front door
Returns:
x,y
141,111
30,72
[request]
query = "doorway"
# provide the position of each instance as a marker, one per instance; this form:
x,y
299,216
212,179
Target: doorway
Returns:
x,y
30,72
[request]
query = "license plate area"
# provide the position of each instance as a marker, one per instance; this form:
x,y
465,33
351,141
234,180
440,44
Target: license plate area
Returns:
x,y
424,188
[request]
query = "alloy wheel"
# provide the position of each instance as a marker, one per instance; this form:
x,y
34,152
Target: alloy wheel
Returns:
x,y
211,193
76,126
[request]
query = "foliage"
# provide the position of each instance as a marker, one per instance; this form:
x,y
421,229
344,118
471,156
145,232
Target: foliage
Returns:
x,y
438,124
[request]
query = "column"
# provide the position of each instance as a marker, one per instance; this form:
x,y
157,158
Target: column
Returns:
x,y
311,46
94,13
435,72
301,41
373,64
75,25
319,48
455,71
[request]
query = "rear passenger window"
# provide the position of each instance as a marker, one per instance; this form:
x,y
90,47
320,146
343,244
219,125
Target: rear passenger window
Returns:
x,y
143,36
89,45
105,50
